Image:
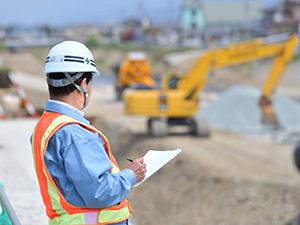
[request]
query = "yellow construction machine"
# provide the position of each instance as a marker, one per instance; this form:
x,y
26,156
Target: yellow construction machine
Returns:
x,y
177,102
134,71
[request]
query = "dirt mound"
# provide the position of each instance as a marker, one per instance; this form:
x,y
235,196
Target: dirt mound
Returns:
x,y
23,61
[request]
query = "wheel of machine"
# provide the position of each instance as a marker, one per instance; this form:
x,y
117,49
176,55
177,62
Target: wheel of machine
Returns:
x,y
119,92
201,127
158,127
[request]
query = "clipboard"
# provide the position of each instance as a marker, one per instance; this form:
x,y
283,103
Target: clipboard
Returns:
x,y
156,160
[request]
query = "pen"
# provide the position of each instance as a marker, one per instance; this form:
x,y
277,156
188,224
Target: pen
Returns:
x,y
129,159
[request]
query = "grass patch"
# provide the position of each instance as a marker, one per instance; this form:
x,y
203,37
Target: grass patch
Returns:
x,y
2,46
4,69
40,53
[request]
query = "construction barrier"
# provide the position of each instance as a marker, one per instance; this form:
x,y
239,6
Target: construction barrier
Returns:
x,y
2,113
23,95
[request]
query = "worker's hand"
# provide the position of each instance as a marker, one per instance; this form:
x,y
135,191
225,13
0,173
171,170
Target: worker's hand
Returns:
x,y
139,168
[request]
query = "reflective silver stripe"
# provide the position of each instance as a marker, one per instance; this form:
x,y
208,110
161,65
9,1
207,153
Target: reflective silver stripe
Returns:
x,y
70,58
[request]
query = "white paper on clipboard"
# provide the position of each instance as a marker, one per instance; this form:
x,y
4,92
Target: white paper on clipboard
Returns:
x,y
156,160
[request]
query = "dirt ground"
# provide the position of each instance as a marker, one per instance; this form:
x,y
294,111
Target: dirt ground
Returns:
x,y
228,178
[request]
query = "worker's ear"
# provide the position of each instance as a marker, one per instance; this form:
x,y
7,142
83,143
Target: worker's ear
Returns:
x,y
83,83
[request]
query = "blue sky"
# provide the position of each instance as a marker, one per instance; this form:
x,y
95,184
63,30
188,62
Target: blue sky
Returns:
x,y
68,12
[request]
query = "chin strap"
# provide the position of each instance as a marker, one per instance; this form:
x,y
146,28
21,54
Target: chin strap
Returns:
x,y
85,92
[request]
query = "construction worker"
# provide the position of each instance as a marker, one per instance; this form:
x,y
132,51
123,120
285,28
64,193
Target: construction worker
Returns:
x,y
79,178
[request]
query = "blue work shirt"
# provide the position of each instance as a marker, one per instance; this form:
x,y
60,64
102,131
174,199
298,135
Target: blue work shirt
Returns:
x,y
77,160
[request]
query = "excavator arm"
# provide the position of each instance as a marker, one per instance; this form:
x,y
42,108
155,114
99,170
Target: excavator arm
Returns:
x,y
240,53
274,78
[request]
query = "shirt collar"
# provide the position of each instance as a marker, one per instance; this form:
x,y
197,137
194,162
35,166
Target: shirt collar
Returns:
x,y
67,105
66,109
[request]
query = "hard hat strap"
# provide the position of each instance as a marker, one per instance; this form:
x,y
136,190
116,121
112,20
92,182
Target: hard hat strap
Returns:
x,y
85,92
63,82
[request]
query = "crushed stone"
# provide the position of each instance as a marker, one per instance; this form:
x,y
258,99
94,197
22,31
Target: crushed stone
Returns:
x,y
237,109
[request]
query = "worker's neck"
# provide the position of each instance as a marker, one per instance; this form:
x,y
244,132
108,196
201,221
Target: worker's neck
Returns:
x,y
74,99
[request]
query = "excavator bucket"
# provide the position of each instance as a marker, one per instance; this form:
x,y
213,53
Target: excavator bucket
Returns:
x,y
268,118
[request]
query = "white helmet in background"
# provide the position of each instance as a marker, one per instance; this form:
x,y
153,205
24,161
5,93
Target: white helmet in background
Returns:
x,y
137,56
70,57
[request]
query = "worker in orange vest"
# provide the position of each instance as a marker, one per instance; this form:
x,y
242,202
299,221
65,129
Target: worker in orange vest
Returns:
x,y
80,180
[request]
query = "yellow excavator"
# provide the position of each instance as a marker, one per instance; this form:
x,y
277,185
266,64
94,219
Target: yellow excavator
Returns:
x,y
134,72
177,102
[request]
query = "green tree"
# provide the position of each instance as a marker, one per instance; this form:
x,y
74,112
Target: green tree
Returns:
x,y
92,41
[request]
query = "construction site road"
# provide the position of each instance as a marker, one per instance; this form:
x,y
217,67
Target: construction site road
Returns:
x,y
17,171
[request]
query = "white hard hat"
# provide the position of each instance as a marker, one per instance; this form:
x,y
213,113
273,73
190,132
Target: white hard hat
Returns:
x,y
70,57
137,56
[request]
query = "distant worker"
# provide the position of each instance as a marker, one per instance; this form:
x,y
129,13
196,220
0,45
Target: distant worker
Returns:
x,y
79,178
134,72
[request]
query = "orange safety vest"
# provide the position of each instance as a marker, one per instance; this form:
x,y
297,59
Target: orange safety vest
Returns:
x,y
58,209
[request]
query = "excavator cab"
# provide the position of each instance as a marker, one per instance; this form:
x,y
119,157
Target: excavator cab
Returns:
x,y
134,72
170,80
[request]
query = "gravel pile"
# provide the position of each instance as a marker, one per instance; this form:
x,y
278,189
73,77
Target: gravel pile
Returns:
x,y
237,110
